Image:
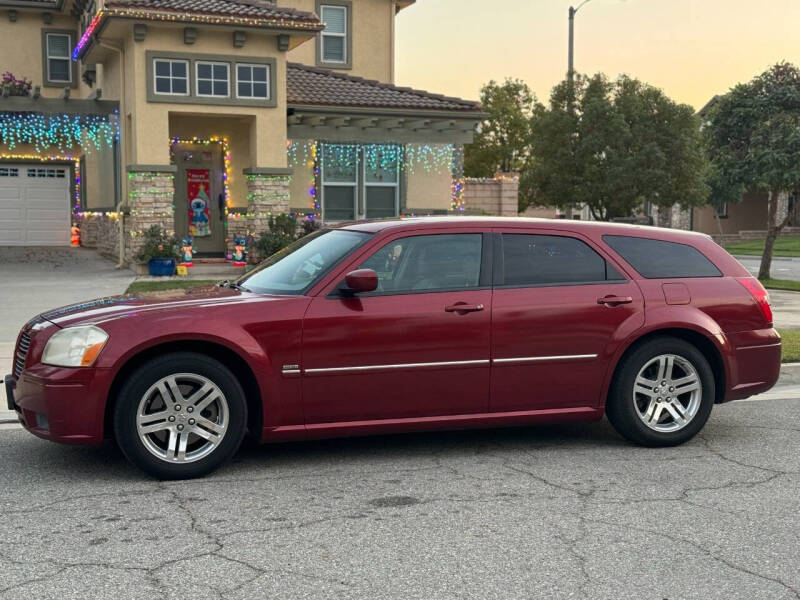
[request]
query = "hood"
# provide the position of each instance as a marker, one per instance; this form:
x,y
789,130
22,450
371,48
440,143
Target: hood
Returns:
x,y
113,307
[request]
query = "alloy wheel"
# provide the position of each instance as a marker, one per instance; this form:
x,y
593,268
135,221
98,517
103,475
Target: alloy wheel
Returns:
x,y
182,418
667,393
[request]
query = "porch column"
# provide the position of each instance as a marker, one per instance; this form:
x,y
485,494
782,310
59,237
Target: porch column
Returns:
x,y
151,194
267,194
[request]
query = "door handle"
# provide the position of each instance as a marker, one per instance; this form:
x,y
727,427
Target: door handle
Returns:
x,y
614,300
463,307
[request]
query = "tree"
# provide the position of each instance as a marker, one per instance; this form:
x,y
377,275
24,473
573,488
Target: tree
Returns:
x,y
754,144
502,143
612,146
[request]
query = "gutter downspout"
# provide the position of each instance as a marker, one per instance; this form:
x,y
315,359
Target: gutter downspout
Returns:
x,y
122,114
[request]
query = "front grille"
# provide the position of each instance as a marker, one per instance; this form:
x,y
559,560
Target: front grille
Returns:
x,y
21,353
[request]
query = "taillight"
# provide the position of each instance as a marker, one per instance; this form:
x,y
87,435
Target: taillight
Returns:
x,y
760,295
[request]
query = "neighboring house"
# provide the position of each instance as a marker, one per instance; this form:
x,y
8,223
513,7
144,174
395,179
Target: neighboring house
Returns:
x,y
207,116
748,215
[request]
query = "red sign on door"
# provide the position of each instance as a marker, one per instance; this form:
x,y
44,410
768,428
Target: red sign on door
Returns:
x,y
198,187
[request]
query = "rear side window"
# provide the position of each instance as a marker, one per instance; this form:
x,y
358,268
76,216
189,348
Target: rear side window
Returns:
x,y
529,260
656,259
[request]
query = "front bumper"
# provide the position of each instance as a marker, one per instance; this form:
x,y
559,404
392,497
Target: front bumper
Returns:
x,y
61,404
10,385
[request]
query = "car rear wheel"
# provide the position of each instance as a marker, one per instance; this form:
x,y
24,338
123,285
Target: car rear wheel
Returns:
x,y
662,394
180,416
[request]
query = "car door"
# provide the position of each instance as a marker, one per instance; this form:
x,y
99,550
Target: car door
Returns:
x,y
416,347
560,308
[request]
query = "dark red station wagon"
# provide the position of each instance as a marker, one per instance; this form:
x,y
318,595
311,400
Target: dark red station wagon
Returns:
x,y
404,325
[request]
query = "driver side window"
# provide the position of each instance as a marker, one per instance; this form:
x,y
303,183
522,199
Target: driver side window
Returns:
x,y
426,263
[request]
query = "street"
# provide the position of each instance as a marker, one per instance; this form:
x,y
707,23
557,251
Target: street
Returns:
x,y
539,512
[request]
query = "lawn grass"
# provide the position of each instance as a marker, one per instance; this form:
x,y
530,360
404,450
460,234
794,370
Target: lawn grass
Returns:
x,y
790,341
781,284
139,287
784,246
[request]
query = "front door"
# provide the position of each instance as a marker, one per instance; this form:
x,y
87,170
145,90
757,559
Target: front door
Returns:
x,y
416,347
199,196
560,309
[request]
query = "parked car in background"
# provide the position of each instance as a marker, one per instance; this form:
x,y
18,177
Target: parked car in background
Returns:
x,y
406,325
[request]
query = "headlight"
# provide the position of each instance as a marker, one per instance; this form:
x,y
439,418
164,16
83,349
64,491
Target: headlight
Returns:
x,y
74,346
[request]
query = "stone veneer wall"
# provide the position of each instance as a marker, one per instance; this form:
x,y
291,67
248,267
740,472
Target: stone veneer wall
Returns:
x,y
151,195
101,231
266,195
498,196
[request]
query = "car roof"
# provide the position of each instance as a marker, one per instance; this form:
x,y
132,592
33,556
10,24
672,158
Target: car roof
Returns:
x,y
587,227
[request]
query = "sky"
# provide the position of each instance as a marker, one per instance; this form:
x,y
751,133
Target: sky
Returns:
x,y
691,49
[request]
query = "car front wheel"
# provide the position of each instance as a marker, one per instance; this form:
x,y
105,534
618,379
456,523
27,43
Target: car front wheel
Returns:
x,y
662,394
180,416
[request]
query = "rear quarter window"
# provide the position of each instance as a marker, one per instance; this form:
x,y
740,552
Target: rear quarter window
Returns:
x,y
657,259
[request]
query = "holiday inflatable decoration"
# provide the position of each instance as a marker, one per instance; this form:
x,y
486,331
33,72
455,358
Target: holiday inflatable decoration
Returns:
x,y
76,236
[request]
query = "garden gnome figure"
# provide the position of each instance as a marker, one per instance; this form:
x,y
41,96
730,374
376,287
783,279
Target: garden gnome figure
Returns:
x,y
76,236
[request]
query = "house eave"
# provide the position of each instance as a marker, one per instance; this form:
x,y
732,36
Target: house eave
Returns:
x,y
58,105
273,25
381,125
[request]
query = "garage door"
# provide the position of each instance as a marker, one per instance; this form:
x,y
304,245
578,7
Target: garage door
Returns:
x,y
34,205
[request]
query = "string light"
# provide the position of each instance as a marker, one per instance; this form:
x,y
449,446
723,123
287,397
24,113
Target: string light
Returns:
x,y
184,17
226,157
57,130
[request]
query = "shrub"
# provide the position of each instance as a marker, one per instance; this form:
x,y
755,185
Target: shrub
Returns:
x,y
158,244
282,232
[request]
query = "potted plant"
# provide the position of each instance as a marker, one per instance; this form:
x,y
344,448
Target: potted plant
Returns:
x,y
159,252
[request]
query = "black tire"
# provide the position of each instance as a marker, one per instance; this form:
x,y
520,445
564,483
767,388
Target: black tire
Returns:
x,y
621,407
140,382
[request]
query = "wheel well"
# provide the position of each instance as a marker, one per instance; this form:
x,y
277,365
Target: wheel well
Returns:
x,y
699,341
226,356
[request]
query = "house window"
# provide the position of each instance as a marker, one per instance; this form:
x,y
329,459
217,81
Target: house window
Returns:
x,y
381,178
58,48
339,171
352,172
252,81
171,77
12,172
212,79
333,48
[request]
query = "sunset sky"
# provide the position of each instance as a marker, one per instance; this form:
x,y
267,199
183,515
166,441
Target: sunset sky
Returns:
x,y
692,49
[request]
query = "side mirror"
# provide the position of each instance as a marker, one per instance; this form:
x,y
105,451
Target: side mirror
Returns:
x,y
361,280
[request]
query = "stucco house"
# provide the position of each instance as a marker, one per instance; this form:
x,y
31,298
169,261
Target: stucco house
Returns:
x,y
207,116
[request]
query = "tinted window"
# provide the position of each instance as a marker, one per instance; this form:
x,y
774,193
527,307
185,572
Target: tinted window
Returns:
x,y
550,259
300,265
428,263
655,259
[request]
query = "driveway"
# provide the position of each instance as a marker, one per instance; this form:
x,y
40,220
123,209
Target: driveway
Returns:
x,y
34,279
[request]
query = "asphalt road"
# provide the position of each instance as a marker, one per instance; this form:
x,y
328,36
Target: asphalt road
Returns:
x,y
782,268
542,512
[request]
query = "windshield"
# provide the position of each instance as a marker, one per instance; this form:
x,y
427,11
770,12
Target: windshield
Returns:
x,y
300,265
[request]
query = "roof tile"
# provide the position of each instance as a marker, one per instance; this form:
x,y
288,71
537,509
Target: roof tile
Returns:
x,y
255,9
323,87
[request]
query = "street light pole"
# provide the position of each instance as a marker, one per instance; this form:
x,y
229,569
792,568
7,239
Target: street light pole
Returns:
x,y
570,65
571,53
